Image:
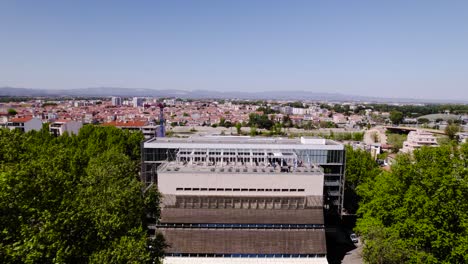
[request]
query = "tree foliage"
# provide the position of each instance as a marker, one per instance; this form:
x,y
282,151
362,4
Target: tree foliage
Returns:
x,y
360,168
451,130
260,121
417,212
396,117
73,199
12,112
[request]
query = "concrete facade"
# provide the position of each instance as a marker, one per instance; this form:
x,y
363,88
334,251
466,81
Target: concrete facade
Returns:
x,y
225,199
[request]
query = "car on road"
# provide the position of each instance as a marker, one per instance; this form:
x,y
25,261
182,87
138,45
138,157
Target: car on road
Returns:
x,y
354,238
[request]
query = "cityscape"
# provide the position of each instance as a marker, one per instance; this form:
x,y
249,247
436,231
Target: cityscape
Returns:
x,y
260,132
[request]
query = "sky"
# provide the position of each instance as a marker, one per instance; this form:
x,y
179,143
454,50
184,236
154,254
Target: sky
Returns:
x,y
408,49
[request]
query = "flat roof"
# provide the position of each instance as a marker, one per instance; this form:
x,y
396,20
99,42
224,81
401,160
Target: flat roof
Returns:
x,y
243,142
179,167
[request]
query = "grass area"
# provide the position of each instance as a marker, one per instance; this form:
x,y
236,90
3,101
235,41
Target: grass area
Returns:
x,y
396,140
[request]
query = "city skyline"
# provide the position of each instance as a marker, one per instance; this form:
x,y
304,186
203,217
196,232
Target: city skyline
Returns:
x,y
393,50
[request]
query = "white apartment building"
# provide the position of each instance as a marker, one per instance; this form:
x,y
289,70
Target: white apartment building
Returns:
x,y
137,101
116,101
25,124
417,139
59,127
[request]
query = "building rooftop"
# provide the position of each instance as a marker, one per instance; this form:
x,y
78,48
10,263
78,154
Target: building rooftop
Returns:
x,y
243,142
185,167
126,123
21,119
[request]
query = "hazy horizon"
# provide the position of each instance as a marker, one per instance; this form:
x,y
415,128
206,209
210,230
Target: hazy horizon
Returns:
x,y
397,49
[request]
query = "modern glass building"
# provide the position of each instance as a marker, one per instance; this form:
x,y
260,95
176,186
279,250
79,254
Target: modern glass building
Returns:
x,y
255,199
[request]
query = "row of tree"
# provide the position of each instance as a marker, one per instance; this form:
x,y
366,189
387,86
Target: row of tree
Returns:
x,y
74,199
415,213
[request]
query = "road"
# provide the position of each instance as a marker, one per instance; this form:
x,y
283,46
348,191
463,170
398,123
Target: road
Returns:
x,y
369,135
340,248
354,256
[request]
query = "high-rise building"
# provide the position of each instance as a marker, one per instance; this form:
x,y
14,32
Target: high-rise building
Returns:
x,y
116,101
242,199
137,101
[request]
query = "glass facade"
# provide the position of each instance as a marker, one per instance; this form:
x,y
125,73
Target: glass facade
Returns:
x,y
332,162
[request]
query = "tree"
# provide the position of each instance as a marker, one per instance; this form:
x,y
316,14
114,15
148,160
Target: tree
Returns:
x,y
12,112
260,121
74,199
375,137
238,128
396,117
419,207
360,168
287,122
253,131
222,120
423,120
451,130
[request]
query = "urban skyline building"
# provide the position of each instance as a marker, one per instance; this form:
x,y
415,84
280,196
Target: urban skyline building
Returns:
x,y
116,101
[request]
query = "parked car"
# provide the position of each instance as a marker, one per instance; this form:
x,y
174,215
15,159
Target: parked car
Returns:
x,y
354,238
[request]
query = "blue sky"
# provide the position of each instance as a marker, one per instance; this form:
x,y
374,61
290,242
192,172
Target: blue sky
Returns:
x,y
416,49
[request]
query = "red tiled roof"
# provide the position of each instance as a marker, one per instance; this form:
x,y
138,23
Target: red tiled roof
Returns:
x,y
126,124
21,119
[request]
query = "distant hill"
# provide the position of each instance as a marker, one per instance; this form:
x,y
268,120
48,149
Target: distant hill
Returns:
x,y
199,94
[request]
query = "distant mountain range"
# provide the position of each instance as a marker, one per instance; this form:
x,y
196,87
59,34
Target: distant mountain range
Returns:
x,y
201,94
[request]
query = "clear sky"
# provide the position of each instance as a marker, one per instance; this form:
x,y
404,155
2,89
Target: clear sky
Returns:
x,y
397,48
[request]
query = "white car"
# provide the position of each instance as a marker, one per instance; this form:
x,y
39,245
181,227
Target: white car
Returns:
x,y
354,238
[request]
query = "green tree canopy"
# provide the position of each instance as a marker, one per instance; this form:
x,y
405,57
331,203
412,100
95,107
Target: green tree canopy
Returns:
x,y
451,130
12,112
260,121
74,199
417,212
396,117
360,168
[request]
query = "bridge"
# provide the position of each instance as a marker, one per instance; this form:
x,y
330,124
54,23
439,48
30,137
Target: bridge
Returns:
x,y
408,129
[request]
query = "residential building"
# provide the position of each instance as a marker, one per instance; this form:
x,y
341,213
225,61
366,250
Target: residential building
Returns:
x,y
116,101
137,102
129,125
25,124
417,139
148,130
59,127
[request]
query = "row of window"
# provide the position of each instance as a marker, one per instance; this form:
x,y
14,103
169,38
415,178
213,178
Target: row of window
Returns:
x,y
204,255
242,226
239,190
219,202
